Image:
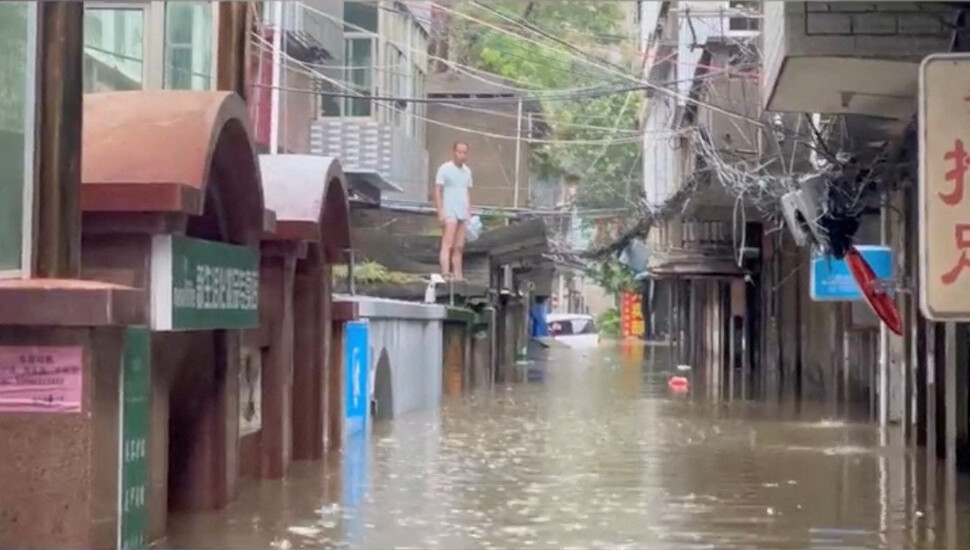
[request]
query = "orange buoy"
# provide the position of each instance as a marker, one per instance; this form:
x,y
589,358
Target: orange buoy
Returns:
x,y
678,384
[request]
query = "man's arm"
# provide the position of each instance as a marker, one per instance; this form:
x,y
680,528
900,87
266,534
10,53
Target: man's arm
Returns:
x,y
439,185
468,194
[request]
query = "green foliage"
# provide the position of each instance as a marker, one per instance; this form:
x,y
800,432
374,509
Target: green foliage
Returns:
x,y
609,173
613,277
609,323
372,272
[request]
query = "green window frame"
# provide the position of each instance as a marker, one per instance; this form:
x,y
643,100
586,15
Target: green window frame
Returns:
x,y
18,74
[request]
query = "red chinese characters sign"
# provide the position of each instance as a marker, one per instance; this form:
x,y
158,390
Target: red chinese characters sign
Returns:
x,y
40,379
944,228
631,318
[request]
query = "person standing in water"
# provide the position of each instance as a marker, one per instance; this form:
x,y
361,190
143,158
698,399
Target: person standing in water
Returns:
x,y
452,199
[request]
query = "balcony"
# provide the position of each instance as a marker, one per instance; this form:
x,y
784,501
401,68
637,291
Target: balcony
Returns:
x,y
851,58
312,32
693,247
377,157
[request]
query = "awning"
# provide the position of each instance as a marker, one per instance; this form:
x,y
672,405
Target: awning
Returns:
x,y
308,193
159,151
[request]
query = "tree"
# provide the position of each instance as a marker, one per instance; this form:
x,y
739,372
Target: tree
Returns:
x,y
613,277
575,37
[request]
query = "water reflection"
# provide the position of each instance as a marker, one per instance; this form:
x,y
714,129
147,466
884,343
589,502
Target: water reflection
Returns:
x,y
597,453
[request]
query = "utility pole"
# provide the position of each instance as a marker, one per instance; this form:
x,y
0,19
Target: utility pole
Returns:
x,y
274,121
518,153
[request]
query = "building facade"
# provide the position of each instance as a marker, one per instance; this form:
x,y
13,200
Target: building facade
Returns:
x,y
365,117
709,109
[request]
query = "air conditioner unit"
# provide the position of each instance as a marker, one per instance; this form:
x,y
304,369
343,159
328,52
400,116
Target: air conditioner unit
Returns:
x,y
803,209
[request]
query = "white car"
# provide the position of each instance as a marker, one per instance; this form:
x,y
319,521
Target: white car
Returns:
x,y
573,329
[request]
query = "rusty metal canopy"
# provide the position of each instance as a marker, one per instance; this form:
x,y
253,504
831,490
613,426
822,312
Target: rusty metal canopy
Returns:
x,y
156,151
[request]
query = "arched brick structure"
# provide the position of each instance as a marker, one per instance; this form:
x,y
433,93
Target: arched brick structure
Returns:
x,y
161,151
309,194
175,162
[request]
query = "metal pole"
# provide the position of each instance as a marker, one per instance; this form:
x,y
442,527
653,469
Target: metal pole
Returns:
x,y
57,189
518,153
351,284
274,121
884,373
950,393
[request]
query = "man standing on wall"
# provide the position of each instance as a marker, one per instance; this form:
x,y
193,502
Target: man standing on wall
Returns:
x,y
452,199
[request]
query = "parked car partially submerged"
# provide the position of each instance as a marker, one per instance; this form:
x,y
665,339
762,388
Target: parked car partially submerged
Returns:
x,y
575,330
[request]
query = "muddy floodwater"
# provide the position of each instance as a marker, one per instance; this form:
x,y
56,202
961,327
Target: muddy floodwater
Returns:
x,y
594,451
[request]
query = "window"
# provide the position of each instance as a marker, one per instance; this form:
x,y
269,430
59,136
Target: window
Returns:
x,y
188,45
359,56
360,16
740,20
395,83
18,23
114,49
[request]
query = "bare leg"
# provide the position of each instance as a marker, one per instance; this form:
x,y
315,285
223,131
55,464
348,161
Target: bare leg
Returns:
x,y
447,242
458,249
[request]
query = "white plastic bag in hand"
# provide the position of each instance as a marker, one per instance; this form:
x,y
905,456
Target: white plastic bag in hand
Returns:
x,y
474,229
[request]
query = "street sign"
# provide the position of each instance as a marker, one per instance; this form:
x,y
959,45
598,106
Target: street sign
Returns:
x,y
944,201
198,284
830,279
136,389
356,354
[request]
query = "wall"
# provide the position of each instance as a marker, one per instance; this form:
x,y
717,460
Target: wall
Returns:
x,y
661,153
61,470
297,109
414,349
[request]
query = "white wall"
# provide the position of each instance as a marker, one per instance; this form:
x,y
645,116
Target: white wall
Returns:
x,y
661,155
414,348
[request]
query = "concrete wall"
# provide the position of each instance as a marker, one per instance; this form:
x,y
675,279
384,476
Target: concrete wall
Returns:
x,y
297,109
61,470
413,349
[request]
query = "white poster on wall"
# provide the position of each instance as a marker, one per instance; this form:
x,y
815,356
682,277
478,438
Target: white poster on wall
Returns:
x,y
250,392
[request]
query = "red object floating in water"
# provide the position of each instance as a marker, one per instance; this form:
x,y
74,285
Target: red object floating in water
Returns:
x,y
678,383
881,303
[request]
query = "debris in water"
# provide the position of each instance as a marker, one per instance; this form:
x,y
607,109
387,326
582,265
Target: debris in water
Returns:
x,y
282,544
678,384
304,531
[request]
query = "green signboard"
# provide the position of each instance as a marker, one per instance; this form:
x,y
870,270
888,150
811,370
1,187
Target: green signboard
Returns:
x,y
199,285
136,388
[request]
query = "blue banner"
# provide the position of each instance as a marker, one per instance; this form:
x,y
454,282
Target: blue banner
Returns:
x,y
831,280
356,377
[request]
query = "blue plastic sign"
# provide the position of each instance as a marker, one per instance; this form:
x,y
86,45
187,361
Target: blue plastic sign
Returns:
x,y
356,376
354,481
831,280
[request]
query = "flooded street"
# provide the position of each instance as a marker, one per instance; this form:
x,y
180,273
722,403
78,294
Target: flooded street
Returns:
x,y
595,452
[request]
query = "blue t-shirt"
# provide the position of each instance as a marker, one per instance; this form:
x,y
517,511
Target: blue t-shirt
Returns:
x,y
455,182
